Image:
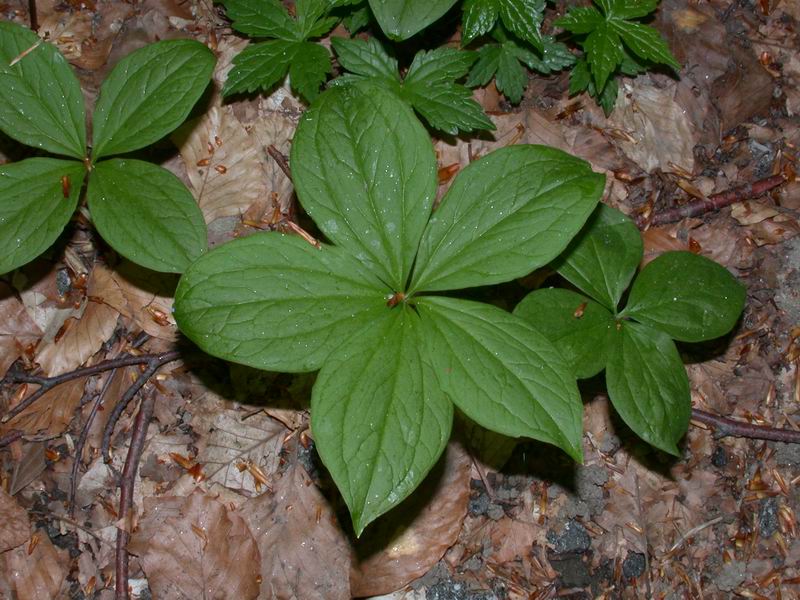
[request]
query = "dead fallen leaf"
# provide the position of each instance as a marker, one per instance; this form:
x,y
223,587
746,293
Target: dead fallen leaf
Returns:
x,y
744,91
194,547
17,329
749,213
403,545
40,574
148,299
659,133
15,528
304,553
28,467
225,165
230,448
52,413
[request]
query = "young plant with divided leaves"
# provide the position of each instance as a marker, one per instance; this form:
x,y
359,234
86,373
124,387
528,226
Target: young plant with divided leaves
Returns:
x,y
369,311
678,296
142,210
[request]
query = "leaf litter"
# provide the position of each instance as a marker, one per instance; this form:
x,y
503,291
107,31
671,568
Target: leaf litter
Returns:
x,y
230,499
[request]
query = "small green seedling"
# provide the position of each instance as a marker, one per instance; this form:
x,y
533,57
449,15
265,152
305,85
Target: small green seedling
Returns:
x,y
263,65
613,42
429,85
142,210
678,296
394,356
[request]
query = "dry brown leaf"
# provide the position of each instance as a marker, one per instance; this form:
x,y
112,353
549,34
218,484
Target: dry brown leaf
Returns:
x,y
37,575
228,446
225,165
404,544
304,553
15,528
744,91
658,128
28,467
17,329
750,213
195,547
52,413
148,299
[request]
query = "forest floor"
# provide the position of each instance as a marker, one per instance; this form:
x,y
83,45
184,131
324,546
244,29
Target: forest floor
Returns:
x,y
230,497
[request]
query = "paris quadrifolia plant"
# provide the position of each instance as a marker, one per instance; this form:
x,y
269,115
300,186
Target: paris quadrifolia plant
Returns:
x,y
142,210
373,310
678,296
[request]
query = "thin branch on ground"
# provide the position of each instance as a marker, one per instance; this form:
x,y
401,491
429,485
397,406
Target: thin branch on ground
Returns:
x,y
725,427
714,202
9,438
156,362
127,481
32,13
280,159
48,383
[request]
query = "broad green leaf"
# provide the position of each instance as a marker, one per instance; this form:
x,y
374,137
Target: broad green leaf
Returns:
x,y
555,56
146,214
262,18
441,65
478,19
33,206
400,19
486,66
311,20
580,77
632,9
260,66
366,58
357,19
511,79
646,43
41,103
523,18
604,53
608,99
648,386
364,170
580,20
275,302
379,417
578,327
148,94
502,373
309,69
690,297
505,215
603,257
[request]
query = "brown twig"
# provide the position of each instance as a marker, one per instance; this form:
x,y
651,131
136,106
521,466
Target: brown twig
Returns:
x,y
34,19
9,438
155,363
280,159
127,481
715,201
48,383
725,427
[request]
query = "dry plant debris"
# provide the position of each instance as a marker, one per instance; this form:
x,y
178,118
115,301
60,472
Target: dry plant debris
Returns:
x,y
229,499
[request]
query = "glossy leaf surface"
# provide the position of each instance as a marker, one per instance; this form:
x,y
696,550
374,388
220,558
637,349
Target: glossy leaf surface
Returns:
x,y
400,19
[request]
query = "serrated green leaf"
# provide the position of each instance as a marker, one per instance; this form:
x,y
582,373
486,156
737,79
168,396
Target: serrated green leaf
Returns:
x,y
486,66
608,99
366,58
603,52
400,19
502,373
441,65
33,207
645,42
41,103
148,94
504,215
511,78
478,19
357,19
555,55
523,18
309,69
311,19
260,66
262,18
448,108
580,20
379,417
579,78
321,27
580,328
602,259
632,9
146,214
689,297
275,302
648,386
364,170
